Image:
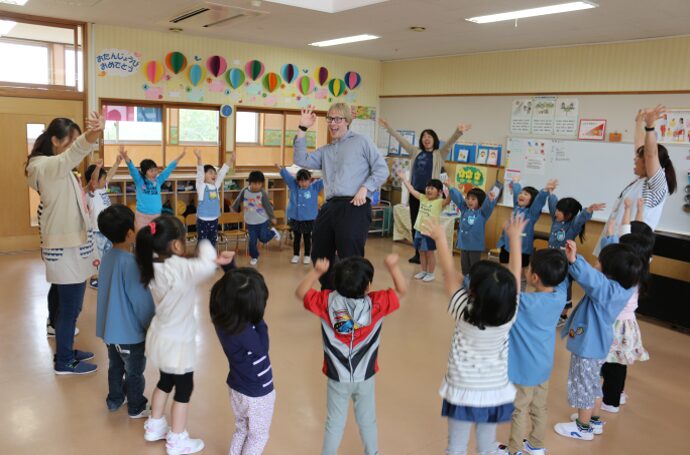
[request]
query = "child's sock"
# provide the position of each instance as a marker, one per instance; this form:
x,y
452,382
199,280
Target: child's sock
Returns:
x,y
582,426
595,419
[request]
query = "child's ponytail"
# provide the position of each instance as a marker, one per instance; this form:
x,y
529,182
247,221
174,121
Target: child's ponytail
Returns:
x,y
144,252
157,237
571,207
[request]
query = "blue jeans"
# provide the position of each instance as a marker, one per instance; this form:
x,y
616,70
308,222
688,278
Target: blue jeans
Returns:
x,y
126,377
71,298
258,232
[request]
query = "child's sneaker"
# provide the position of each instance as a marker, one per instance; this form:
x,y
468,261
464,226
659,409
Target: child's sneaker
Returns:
x,y
597,425
611,409
83,355
277,237
294,260
306,260
624,398
575,431
532,450
181,443
253,261
75,367
155,429
428,277
420,275
502,449
93,283
146,412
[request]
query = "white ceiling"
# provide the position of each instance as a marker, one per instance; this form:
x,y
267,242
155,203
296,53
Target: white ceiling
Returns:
x,y
447,32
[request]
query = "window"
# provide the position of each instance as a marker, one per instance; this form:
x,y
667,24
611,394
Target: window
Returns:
x,y
30,63
198,126
247,127
70,78
33,130
133,124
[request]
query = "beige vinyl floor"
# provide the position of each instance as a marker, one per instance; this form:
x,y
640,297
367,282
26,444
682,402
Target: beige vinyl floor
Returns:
x,y
46,414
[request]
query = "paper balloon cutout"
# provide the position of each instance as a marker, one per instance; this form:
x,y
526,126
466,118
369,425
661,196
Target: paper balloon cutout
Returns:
x,y
154,71
321,75
176,62
196,74
254,69
289,72
235,77
336,87
352,80
271,82
216,65
305,85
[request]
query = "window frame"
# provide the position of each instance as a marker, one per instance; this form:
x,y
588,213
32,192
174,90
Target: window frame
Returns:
x,y
197,143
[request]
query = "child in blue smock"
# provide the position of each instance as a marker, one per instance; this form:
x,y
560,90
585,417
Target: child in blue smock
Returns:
x,y
148,180
303,206
474,212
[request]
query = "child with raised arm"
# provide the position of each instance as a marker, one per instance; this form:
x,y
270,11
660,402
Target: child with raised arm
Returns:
x,y
531,347
474,213
303,206
568,221
124,312
208,182
258,213
97,200
148,181
476,389
351,321
431,204
608,288
173,281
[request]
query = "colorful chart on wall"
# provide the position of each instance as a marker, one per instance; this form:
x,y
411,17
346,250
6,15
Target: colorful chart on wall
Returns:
x,y
674,127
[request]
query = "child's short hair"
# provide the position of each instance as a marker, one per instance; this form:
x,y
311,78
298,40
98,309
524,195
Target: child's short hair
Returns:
x,y
640,227
643,246
493,293
533,192
145,165
157,237
620,263
256,177
570,207
353,276
478,194
436,183
115,221
303,174
237,299
209,167
89,173
550,265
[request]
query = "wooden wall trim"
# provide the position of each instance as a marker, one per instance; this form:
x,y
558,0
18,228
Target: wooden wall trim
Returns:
x,y
631,92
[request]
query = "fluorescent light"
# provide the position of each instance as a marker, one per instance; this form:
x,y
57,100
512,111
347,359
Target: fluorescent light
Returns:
x,y
346,40
6,26
553,9
327,6
14,2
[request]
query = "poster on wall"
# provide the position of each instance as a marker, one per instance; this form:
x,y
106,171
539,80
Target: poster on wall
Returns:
x,y
364,121
463,153
117,62
592,130
521,116
567,113
489,154
543,115
674,127
470,176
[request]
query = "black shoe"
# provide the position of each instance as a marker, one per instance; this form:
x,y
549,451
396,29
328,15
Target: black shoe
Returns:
x,y
414,259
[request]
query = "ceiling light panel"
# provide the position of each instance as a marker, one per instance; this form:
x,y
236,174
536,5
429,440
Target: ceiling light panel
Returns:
x,y
533,12
345,40
327,6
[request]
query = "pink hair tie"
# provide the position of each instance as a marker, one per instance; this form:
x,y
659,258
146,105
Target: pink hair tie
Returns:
x,y
152,225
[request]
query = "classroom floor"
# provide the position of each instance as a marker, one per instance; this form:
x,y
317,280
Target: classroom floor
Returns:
x,y
48,414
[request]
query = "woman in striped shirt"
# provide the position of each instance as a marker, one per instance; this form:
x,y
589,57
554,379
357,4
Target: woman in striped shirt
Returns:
x,y
476,388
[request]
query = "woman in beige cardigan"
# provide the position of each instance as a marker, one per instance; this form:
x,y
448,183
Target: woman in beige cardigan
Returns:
x,y
426,162
67,245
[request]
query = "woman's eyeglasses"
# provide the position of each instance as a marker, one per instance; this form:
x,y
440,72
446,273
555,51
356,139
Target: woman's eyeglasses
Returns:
x,y
334,119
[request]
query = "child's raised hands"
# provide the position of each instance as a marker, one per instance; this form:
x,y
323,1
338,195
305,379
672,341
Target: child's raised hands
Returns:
x,y
321,266
598,207
225,257
639,216
627,203
123,154
515,226
570,250
551,185
308,117
197,153
433,229
515,178
391,261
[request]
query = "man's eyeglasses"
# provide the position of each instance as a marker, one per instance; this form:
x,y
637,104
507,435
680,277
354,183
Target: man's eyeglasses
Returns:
x,y
334,119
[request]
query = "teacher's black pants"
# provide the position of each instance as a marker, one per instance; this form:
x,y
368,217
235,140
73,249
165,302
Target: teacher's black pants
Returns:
x,y
340,229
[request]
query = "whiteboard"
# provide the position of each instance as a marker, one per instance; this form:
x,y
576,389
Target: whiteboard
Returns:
x,y
593,172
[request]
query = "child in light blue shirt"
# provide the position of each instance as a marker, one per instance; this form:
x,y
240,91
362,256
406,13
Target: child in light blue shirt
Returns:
x,y
474,213
148,181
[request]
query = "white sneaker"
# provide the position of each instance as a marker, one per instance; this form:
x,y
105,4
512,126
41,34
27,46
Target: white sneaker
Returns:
x,y
306,260
428,277
611,409
50,331
420,275
571,430
294,260
624,398
145,413
155,429
532,450
253,261
597,425
277,234
181,443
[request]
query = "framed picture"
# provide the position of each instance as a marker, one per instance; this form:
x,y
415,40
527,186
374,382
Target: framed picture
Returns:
x,y
463,153
592,130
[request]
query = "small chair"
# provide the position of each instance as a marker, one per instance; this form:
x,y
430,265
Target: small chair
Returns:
x,y
282,227
237,233
190,221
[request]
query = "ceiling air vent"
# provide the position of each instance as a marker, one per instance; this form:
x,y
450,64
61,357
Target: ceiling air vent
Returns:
x,y
209,14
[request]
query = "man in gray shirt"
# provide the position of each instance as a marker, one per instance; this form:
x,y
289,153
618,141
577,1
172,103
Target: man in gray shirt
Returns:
x,y
352,170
